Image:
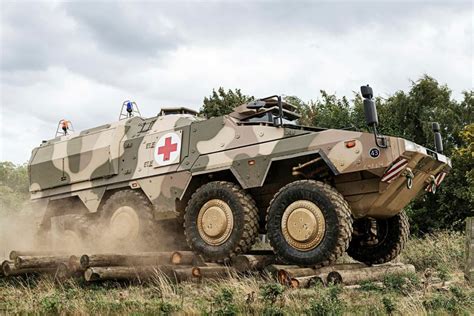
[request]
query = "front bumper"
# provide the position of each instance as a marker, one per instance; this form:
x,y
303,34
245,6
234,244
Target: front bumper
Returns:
x,y
415,148
414,169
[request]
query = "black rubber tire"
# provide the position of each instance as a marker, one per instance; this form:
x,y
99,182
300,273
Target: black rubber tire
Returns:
x,y
81,226
78,223
142,207
75,219
393,232
337,215
245,214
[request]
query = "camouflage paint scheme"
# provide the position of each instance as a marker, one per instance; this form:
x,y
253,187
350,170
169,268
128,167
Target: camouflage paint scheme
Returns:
x,y
121,155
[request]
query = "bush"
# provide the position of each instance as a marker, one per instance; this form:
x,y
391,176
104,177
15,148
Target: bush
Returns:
x,y
51,304
456,302
389,305
401,282
271,292
167,308
443,251
224,302
327,304
369,286
272,311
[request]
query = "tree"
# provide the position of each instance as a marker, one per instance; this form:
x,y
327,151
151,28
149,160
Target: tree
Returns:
x,y
454,200
221,102
13,187
410,115
327,111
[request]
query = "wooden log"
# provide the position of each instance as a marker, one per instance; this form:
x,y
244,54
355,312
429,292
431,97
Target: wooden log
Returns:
x,y
307,282
284,276
74,263
9,269
17,253
187,274
183,257
274,268
24,262
213,272
101,260
243,263
120,273
149,259
373,273
4,266
286,273
63,272
139,259
199,261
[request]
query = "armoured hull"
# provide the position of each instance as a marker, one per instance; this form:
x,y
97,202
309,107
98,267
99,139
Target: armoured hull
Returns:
x,y
163,162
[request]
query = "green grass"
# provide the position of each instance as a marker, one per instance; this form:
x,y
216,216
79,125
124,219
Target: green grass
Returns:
x,y
399,294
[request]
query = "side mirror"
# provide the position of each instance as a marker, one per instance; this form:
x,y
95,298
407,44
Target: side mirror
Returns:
x,y
370,110
371,117
367,92
437,137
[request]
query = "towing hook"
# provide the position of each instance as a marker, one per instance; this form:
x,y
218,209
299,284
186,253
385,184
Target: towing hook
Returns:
x,y
409,175
433,187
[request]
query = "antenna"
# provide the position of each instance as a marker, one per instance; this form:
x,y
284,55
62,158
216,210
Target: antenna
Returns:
x,y
129,109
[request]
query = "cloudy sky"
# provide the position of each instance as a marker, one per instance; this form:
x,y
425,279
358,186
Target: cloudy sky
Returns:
x,y
81,60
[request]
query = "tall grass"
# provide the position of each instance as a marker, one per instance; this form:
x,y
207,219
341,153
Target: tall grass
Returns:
x,y
397,294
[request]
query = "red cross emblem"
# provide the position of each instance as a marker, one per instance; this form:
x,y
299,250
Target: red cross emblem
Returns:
x,y
167,149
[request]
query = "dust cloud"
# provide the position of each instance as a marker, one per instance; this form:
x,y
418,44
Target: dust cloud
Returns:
x,y
91,235
17,231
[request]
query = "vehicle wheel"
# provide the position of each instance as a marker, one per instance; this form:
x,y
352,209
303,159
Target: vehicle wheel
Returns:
x,y
377,241
309,223
75,233
220,221
127,217
69,229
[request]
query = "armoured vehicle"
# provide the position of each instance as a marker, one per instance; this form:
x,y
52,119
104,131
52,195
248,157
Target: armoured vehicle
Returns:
x,y
316,193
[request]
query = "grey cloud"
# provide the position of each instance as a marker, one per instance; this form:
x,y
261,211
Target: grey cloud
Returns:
x,y
33,35
125,29
80,60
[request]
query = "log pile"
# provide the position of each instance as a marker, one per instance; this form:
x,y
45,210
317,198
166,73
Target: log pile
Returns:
x,y
346,274
186,266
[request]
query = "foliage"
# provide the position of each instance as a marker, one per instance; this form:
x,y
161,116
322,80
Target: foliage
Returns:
x,y
389,305
327,304
369,286
13,187
272,311
221,102
44,295
407,114
224,303
455,302
402,283
329,112
271,292
439,252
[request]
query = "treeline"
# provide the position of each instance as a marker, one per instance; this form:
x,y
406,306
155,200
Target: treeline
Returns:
x,y
13,187
406,114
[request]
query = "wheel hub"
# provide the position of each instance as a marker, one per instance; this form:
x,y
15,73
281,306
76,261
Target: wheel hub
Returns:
x,y
215,222
124,223
303,225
